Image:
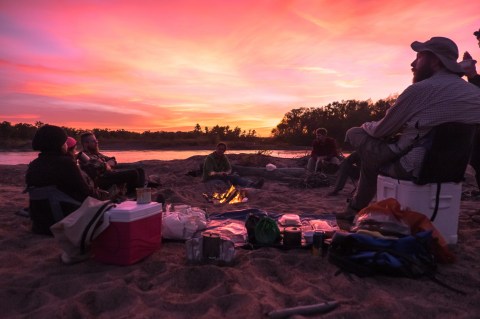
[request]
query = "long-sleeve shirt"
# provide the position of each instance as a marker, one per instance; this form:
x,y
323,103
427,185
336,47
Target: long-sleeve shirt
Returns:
x,y
326,147
444,97
96,166
215,163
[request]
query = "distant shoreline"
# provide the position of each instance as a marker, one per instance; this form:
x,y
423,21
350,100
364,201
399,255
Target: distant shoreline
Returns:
x,y
136,147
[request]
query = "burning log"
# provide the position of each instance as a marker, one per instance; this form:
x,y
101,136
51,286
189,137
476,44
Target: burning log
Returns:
x,y
231,196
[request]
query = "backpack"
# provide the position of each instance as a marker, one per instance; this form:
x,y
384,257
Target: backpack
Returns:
x,y
365,255
267,231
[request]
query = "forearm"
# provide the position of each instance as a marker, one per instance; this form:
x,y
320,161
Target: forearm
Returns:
x,y
395,117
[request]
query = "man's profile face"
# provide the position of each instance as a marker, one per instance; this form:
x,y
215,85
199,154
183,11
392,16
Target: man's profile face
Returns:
x,y
422,67
91,144
478,39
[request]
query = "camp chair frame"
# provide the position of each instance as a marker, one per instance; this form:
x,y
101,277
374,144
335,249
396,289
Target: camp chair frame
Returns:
x,y
448,149
54,197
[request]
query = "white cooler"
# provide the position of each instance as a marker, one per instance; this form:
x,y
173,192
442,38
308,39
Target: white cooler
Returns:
x,y
421,199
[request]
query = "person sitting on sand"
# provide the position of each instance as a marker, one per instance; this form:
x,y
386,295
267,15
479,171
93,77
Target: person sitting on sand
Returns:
x,y
324,152
217,167
104,170
438,95
53,167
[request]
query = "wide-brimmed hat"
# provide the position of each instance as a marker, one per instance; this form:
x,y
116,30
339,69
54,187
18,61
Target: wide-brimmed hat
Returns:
x,y
477,33
49,138
444,49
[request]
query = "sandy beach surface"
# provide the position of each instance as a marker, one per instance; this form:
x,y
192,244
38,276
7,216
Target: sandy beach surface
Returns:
x,y
35,284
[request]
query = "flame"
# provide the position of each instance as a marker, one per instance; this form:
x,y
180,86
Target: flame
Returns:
x,y
231,196
238,198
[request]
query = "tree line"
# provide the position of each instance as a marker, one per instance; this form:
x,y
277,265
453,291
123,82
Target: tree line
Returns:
x,y
295,129
20,135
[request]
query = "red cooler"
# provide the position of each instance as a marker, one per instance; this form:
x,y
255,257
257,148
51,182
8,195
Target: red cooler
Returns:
x,y
135,232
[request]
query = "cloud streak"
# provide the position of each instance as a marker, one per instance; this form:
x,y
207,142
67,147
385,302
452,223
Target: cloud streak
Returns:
x,y
167,65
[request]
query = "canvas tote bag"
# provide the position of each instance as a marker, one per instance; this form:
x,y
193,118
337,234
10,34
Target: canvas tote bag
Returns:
x,y
75,232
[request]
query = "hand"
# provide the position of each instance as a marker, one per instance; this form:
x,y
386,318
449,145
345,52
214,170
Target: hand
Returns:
x,y
468,67
111,162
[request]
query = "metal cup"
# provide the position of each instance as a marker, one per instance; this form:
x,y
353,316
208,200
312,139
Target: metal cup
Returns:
x,y
144,195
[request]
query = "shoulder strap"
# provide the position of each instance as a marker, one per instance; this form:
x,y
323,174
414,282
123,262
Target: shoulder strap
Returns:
x,y
89,229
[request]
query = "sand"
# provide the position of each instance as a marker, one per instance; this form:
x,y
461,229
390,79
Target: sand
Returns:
x,y
35,284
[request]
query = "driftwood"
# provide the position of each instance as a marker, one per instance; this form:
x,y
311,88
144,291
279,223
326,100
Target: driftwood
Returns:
x,y
277,174
303,310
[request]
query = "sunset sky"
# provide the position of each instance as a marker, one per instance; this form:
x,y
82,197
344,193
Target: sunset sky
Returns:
x,y
167,65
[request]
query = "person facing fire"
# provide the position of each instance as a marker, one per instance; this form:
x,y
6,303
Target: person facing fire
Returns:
x,y
217,167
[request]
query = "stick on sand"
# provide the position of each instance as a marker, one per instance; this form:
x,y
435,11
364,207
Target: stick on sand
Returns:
x,y
303,310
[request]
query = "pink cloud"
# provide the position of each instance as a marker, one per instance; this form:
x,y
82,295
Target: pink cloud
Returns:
x,y
167,65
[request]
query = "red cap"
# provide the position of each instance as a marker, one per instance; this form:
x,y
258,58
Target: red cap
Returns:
x,y
71,142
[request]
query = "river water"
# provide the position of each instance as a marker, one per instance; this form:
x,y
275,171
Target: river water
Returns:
x,y
122,156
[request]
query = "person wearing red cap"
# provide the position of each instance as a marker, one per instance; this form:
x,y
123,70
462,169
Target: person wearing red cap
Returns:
x,y
438,95
71,146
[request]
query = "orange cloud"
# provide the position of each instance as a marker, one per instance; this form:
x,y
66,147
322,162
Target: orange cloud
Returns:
x,y
167,65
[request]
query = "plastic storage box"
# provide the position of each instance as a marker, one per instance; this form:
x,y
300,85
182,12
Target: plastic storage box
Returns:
x,y
135,232
421,199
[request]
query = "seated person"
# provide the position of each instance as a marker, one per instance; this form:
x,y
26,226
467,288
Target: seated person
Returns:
x,y
72,151
324,152
436,75
104,170
350,167
217,167
53,167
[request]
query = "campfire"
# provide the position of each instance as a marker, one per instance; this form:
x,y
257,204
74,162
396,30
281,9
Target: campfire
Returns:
x,y
231,196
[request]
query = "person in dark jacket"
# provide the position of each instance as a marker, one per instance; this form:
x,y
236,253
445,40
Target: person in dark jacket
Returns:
x,y
53,167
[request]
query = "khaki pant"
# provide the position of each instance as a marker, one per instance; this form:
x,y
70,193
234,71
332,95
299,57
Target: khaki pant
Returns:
x,y
375,157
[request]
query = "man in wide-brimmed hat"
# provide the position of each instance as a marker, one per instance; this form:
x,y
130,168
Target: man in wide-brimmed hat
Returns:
x,y
438,95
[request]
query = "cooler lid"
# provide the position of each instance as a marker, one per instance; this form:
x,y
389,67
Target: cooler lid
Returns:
x,y
129,211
